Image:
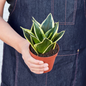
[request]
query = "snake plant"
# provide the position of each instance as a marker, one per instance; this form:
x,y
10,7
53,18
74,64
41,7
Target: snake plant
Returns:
x,y
43,37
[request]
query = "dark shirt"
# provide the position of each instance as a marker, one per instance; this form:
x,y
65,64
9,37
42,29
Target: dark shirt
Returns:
x,y
11,2
70,14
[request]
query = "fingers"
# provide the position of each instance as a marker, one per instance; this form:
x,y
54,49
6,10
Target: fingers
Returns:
x,y
40,66
37,66
39,70
34,61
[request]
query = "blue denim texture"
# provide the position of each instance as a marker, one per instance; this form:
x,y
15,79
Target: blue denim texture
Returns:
x,y
69,70
70,14
70,66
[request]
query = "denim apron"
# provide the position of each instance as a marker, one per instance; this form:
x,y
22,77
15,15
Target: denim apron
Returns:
x,y
70,65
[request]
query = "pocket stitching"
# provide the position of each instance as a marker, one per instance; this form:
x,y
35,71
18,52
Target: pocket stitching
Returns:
x,y
74,14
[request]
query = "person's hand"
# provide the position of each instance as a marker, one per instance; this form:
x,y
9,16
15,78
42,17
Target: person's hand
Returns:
x,y
36,66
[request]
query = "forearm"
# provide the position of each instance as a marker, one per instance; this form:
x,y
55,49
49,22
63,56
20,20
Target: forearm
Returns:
x,y
10,37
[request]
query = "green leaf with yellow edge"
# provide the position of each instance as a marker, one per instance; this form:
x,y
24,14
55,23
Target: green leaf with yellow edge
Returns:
x,y
42,46
32,35
38,32
54,45
58,36
32,29
36,22
49,48
31,40
28,37
35,40
50,33
48,23
27,30
54,30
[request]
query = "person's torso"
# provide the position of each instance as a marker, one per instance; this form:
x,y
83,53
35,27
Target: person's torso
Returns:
x,y
69,13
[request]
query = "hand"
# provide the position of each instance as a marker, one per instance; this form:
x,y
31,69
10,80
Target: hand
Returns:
x,y
36,66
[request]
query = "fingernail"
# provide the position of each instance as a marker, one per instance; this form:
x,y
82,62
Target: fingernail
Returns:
x,y
41,72
41,62
45,65
45,69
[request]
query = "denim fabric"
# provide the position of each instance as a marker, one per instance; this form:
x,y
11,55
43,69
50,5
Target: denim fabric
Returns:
x,y
70,66
12,3
69,70
9,66
70,14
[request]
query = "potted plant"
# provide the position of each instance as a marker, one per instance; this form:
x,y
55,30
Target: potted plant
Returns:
x,y
43,40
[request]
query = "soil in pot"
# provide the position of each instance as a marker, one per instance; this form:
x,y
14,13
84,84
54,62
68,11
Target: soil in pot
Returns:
x,y
50,53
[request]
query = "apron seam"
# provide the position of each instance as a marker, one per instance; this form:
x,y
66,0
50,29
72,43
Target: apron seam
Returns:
x,y
76,69
46,79
68,54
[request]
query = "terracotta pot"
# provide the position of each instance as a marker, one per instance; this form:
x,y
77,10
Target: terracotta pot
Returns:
x,y
50,60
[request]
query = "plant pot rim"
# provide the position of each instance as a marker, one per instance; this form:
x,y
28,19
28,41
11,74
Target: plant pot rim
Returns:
x,y
46,56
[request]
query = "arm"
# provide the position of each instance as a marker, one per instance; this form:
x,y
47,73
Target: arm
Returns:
x,y
10,37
